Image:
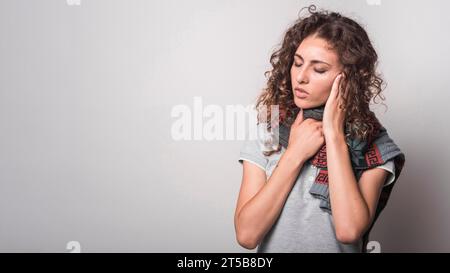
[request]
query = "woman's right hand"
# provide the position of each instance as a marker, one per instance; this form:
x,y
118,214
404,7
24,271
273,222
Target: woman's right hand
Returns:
x,y
306,137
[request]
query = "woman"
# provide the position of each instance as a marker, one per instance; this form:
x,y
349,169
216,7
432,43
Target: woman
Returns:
x,y
324,186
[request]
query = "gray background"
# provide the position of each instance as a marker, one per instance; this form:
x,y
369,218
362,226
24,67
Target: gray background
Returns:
x,y
86,94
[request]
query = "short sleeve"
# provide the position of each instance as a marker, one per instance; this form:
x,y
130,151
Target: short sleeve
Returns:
x,y
390,167
252,152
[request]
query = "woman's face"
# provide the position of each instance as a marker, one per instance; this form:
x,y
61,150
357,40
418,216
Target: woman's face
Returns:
x,y
312,74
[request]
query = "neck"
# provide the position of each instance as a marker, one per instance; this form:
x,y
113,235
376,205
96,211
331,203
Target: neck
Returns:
x,y
314,113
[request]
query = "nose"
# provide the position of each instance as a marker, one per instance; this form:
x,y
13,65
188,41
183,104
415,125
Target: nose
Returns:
x,y
302,75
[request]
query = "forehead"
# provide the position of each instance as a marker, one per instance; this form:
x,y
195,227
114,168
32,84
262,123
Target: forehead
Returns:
x,y
314,48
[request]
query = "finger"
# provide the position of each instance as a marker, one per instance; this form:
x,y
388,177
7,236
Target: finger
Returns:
x,y
299,119
345,92
335,87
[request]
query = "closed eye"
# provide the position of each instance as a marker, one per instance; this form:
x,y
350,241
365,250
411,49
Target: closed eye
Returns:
x,y
320,71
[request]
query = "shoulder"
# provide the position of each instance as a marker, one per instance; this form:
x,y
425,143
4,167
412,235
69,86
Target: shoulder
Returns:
x,y
256,148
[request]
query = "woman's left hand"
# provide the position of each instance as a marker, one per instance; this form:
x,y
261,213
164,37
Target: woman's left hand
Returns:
x,y
334,116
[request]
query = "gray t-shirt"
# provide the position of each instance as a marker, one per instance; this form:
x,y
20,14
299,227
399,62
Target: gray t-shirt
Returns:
x,y
302,225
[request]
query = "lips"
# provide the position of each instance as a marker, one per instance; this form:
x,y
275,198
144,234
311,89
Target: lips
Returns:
x,y
301,93
301,90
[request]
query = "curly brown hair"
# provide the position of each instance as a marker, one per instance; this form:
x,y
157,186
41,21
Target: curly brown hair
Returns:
x,y
357,56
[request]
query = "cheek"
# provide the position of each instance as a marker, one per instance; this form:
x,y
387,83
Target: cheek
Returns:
x,y
323,86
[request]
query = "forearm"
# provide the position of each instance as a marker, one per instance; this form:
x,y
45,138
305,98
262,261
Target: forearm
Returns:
x,y
349,209
259,214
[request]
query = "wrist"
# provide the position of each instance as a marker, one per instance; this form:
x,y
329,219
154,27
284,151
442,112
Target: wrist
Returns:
x,y
294,158
335,137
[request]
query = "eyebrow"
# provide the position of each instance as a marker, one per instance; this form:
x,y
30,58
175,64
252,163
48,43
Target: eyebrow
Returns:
x,y
312,61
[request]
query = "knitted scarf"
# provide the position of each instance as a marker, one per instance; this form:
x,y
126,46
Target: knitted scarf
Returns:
x,y
364,154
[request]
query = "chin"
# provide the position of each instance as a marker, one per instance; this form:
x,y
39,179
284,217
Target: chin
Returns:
x,y
306,104
303,104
